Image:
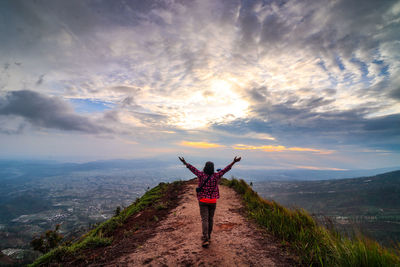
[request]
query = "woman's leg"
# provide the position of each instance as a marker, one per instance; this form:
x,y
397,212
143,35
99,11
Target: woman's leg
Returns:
x,y
211,211
204,213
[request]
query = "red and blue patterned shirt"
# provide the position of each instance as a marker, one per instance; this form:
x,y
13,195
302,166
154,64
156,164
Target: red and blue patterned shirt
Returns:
x,y
210,189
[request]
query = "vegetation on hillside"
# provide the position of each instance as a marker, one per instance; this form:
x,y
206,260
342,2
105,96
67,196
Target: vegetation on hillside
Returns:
x,y
370,205
102,235
315,245
47,241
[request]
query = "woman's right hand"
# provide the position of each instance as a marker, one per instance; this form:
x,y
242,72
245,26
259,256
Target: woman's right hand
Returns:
x,y
237,159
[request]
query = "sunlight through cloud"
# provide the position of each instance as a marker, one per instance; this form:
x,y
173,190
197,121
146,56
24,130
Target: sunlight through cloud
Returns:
x,y
279,148
200,144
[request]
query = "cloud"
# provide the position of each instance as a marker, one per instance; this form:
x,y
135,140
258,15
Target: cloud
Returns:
x,y
394,86
300,73
258,94
199,144
300,126
306,117
47,112
279,148
13,126
40,80
273,29
395,93
151,119
125,89
319,168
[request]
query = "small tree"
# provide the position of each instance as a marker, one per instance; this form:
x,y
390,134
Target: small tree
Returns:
x,y
117,211
47,241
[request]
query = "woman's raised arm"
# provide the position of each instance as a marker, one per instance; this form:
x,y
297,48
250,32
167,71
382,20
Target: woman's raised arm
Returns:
x,y
190,167
183,160
236,159
227,168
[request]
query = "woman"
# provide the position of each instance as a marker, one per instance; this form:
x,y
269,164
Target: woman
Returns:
x,y
208,195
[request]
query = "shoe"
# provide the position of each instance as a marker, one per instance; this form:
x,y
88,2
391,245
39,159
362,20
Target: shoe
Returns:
x,y
205,244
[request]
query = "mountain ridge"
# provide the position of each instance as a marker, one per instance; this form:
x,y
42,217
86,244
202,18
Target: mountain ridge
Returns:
x,y
298,239
142,228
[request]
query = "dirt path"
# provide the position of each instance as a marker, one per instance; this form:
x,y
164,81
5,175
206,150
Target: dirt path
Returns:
x,y
235,241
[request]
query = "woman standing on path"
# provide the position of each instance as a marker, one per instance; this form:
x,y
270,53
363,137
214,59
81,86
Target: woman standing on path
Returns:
x,y
208,194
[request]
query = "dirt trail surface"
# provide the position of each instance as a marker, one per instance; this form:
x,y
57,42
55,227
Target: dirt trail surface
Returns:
x,y
235,240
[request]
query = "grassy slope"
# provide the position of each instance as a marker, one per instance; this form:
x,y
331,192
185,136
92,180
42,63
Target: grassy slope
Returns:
x,y
103,234
371,205
315,245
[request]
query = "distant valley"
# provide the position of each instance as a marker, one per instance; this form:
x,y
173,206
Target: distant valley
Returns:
x,y
35,196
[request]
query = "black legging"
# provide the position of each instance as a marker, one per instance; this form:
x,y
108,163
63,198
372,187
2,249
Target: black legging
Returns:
x,y
207,211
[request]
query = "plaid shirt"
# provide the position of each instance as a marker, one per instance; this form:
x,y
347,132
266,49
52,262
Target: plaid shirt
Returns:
x,y
210,189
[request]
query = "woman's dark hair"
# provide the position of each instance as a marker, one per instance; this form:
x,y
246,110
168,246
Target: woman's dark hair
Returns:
x,y
209,168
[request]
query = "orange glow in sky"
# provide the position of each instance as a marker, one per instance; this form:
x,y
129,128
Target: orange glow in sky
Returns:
x,y
279,148
199,144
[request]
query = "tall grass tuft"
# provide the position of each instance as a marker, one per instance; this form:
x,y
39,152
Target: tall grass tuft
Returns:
x,y
314,244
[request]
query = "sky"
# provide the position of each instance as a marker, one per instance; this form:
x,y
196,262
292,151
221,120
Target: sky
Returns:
x,y
284,84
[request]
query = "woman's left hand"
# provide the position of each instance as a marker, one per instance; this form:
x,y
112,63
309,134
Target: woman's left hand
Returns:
x,y
183,160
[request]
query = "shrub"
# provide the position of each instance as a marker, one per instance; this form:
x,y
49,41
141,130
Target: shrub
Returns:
x,y
47,241
117,211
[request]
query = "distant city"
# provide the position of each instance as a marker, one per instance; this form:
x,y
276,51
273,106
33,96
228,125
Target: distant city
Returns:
x,y
34,197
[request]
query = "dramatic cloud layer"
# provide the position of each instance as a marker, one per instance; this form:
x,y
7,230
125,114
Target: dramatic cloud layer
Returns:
x,y
48,112
289,83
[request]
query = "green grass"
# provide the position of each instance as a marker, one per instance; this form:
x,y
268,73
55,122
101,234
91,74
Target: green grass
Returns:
x,y
59,253
314,244
102,235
